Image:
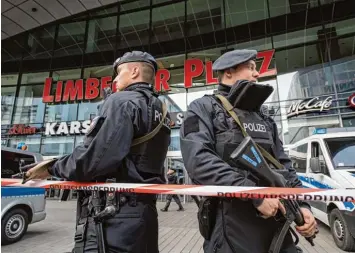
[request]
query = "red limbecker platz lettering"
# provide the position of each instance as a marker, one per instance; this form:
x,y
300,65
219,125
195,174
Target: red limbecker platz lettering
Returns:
x,y
91,88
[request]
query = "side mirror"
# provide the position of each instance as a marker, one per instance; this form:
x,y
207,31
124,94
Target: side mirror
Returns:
x,y
315,165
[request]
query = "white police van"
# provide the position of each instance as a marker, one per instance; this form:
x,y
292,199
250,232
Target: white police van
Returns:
x,y
326,160
20,206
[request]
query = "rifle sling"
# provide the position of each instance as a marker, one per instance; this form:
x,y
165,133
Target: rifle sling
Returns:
x,y
151,134
229,109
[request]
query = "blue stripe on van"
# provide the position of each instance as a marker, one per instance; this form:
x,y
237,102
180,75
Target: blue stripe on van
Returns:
x,y
317,184
20,191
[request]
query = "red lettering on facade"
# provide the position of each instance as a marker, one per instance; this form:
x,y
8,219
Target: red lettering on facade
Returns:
x,y
161,80
92,88
74,90
209,74
59,91
192,68
21,130
264,68
46,97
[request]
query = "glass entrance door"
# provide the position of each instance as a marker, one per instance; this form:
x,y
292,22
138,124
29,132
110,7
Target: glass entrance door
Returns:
x,y
174,161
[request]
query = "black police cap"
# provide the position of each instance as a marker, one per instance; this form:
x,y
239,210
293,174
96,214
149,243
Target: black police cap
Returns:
x,y
136,56
233,58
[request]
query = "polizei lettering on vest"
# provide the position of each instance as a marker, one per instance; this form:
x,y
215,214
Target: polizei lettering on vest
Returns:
x,y
309,105
65,128
158,117
255,127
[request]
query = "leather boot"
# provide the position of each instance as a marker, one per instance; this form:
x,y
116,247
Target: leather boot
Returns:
x,y
166,207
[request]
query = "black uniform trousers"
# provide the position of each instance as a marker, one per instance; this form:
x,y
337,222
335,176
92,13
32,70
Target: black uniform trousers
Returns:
x,y
133,230
238,231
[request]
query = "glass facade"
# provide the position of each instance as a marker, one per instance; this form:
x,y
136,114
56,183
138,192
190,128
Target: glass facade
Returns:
x,y
46,72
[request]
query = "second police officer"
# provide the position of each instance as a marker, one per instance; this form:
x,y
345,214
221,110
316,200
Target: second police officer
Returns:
x,y
209,135
117,146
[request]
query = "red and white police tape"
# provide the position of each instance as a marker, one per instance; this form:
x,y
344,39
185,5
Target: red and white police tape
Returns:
x,y
343,195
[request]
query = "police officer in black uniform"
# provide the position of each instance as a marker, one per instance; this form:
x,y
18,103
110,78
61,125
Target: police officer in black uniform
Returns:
x,y
209,135
172,179
108,153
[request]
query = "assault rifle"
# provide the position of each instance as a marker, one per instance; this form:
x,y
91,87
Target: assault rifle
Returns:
x,y
248,157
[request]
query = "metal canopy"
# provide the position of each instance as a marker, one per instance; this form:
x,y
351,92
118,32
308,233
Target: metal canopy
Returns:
x,y
21,15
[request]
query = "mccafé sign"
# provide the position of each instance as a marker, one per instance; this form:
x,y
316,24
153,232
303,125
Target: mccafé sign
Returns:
x,y
91,88
309,105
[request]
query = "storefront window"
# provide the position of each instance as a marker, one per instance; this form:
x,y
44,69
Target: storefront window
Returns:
x,y
62,112
70,39
9,80
88,110
168,22
57,146
79,140
102,35
244,12
134,30
7,103
344,74
204,16
30,143
134,5
29,107
12,48
34,78
175,140
40,43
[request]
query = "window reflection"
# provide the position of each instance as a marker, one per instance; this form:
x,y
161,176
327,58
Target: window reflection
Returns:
x,y
102,34
70,39
54,146
168,22
9,80
244,12
134,30
62,112
33,143
7,104
89,110
40,43
29,106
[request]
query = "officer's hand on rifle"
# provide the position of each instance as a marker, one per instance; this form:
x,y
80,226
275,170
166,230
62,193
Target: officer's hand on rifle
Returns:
x,y
269,208
38,170
310,226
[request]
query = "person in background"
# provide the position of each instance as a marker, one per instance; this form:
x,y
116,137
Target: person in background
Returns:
x,y
172,179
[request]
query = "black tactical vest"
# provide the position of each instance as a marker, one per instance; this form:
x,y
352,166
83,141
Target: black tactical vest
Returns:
x,y
228,135
149,157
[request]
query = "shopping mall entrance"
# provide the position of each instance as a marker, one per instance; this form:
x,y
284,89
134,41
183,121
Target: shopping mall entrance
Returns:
x,y
174,161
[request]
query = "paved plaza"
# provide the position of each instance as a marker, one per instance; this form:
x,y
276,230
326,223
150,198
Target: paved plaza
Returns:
x,y
178,232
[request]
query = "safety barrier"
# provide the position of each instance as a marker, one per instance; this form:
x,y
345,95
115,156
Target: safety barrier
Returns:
x,y
343,195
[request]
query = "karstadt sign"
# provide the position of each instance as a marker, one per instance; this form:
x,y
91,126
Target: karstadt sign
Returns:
x,y
67,128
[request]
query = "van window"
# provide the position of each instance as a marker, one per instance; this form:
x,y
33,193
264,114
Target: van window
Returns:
x,y
341,151
316,151
10,162
298,156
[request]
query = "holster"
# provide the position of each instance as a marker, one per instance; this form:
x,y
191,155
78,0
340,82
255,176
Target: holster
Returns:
x,y
206,216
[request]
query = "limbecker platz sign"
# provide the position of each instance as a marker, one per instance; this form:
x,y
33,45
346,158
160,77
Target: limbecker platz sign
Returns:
x,y
91,88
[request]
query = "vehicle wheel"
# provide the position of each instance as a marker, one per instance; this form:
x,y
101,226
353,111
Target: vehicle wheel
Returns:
x,y
340,231
13,225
